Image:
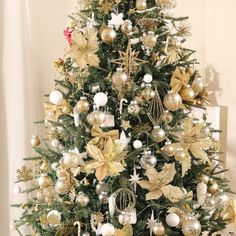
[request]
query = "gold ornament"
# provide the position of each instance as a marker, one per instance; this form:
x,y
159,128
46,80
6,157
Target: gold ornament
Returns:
x,y
191,227
148,24
148,93
187,94
101,187
173,101
158,134
106,162
24,174
103,197
83,105
96,118
71,160
84,46
119,79
158,229
43,220
156,109
191,141
62,186
129,60
54,217
108,35
213,188
168,149
159,184
183,29
45,166
204,178
65,108
167,117
44,181
124,199
150,40
202,99
127,27
141,5
35,141
133,108
125,124
201,193
82,199
54,111
107,5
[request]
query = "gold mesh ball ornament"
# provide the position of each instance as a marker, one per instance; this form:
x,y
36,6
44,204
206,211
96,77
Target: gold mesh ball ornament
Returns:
x,y
125,200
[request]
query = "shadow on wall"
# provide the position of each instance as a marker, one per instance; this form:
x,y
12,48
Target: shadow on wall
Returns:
x,y
4,201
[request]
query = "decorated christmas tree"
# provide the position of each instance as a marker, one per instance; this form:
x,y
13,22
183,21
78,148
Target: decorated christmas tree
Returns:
x,y
123,152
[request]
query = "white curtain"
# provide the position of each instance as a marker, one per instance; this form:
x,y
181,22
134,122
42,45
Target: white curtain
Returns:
x,y
31,39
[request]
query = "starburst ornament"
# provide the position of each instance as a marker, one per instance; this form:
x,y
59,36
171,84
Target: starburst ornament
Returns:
x,y
151,223
134,179
116,20
129,60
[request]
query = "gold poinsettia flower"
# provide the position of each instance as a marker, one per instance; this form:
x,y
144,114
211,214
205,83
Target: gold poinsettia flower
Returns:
x,y
190,140
107,162
83,48
159,184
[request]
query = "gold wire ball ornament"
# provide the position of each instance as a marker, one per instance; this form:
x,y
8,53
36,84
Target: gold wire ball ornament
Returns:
x,y
35,141
127,27
173,101
141,5
124,200
191,227
83,105
96,118
108,35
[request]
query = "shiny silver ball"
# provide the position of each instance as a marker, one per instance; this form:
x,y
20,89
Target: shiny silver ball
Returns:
x,y
148,160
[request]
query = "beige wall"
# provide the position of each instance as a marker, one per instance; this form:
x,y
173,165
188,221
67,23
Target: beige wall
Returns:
x,y
213,36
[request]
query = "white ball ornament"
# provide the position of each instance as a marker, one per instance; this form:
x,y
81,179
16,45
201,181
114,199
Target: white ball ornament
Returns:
x,y
172,220
107,230
137,144
55,97
100,99
147,78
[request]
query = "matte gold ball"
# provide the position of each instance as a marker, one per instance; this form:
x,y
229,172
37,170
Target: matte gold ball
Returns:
x,y
158,134
158,229
187,94
167,117
83,105
127,27
35,141
119,79
44,181
173,101
214,188
180,154
108,35
150,40
96,118
141,5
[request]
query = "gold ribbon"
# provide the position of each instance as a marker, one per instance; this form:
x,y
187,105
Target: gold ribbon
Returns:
x,y
99,135
53,111
179,80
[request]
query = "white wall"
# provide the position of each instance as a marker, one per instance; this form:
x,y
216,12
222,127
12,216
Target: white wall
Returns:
x,y
213,36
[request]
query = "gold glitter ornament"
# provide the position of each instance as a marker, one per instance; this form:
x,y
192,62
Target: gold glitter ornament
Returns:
x,y
173,101
44,181
35,141
96,118
83,105
108,34
127,27
24,174
141,5
150,39
158,229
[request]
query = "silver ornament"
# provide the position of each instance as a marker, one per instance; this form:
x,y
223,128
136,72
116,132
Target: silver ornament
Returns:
x,y
148,160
